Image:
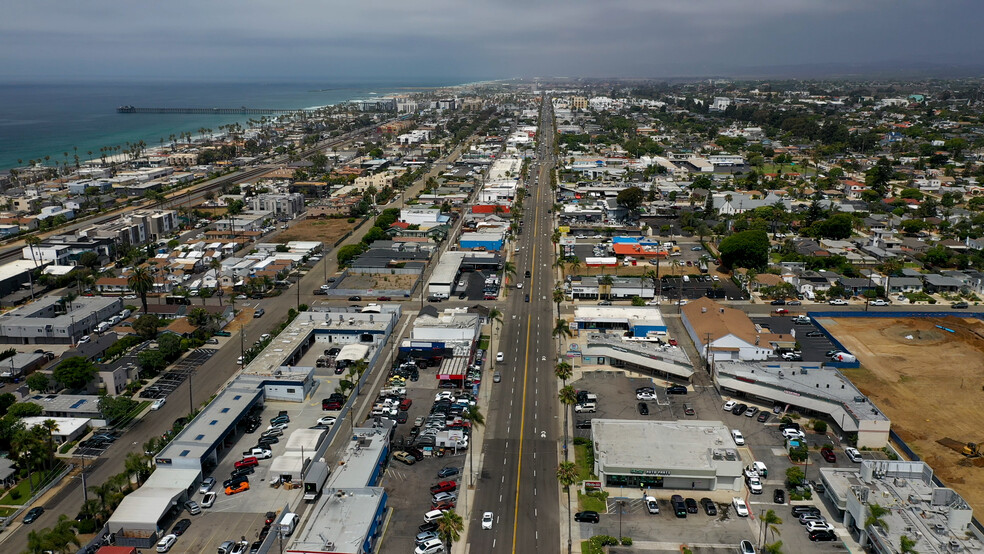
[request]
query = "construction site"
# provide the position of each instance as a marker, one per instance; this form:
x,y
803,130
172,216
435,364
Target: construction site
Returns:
x,y
927,376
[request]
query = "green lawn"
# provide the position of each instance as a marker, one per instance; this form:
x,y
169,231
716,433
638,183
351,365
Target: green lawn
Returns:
x,y
6,512
25,488
592,503
588,547
584,464
483,343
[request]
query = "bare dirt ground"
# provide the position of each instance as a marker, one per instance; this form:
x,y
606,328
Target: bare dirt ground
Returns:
x,y
322,230
378,283
929,382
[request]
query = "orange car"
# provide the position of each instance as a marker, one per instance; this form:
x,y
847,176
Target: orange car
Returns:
x,y
244,486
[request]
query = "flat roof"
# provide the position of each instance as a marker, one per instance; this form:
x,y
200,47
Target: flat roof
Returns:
x,y
66,425
340,523
635,315
361,455
802,380
306,440
647,351
207,428
82,403
690,445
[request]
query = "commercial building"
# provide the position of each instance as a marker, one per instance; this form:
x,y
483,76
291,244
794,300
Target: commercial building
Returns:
x,y
810,388
484,241
278,205
638,321
450,265
687,455
651,357
348,517
46,321
15,274
723,333
66,429
935,518
68,405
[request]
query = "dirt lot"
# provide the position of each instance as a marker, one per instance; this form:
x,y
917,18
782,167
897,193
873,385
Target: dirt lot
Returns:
x,y
323,230
929,382
378,283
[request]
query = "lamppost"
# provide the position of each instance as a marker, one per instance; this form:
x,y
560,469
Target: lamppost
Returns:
x,y
621,504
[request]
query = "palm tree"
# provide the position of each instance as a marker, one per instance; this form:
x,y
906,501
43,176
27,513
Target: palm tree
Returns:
x,y
654,277
575,264
38,542
606,281
509,268
474,416
567,474
103,493
564,371
568,397
23,443
50,426
771,522
561,329
558,297
875,514
136,464
141,282
449,527
63,536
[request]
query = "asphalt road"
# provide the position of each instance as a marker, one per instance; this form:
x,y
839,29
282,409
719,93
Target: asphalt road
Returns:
x,y
518,480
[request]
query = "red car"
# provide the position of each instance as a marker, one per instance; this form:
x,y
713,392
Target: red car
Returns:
x,y
249,461
672,342
331,405
405,404
782,311
384,298
828,454
444,486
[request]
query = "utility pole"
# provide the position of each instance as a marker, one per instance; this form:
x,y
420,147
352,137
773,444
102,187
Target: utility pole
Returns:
x,y
191,396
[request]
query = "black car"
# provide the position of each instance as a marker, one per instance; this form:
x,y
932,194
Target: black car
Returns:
x,y
267,441
959,306
588,516
643,408
779,496
803,510
242,472
778,302
462,296
527,298
33,514
415,452
234,481
817,486
814,334
739,409
529,274
583,424
709,507
679,506
691,505
430,526
676,389
355,299
763,417
447,471
181,526
823,535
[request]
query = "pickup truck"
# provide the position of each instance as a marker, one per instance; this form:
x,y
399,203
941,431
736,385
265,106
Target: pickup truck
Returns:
x,y
259,453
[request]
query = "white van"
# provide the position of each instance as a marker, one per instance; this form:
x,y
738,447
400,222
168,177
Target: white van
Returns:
x,y
125,314
102,327
115,319
288,523
761,469
433,515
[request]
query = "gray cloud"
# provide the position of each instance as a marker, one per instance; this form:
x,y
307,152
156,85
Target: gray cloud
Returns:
x,y
632,38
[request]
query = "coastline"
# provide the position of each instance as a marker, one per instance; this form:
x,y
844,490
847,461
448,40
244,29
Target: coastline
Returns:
x,y
100,128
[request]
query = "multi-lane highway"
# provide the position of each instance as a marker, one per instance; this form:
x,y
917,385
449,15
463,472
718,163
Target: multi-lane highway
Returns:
x,y
518,480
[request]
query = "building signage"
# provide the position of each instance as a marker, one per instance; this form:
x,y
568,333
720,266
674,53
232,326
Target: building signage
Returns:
x,y
163,461
649,471
792,393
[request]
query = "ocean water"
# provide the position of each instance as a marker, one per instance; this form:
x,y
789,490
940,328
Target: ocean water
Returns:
x,y
39,119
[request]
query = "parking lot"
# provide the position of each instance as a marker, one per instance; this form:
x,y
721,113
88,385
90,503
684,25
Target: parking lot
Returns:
x,y
814,348
764,442
172,378
474,284
409,485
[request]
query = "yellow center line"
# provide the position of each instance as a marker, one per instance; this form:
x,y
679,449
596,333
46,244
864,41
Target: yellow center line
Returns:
x,y
526,370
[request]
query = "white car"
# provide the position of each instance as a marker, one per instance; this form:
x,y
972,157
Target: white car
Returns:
x,y
280,426
812,526
793,434
745,547
740,507
487,518
84,339
738,437
327,420
519,285
754,485
445,395
264,337
166,542
208,500
838,302
500,357
651,505
645,396
880,302
853,454
158,404
729,405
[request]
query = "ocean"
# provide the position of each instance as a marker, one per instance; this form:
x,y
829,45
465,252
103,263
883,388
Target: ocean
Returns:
x,y
52,119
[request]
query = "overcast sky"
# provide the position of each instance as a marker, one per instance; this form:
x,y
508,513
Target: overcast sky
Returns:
x,y
476,39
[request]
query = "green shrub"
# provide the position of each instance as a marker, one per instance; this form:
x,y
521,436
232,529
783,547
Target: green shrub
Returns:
x,y
626,541
582,441
604,540
85,526
15,494
820,427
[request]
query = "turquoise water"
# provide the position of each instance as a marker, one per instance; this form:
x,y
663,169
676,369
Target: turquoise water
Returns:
x,y
39,119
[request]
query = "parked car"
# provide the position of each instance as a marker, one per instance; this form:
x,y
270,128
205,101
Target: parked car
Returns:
x,y
355,299
651,505
643,408
33,514
207,485
778,302
853,454
745,547
180,527
739,409
880,302
837,302
587,517
823,535
740,507
676,389
444,486
448,471
241,487
730,405
959,306
691,505
679,506
763,417
166,542
828,454
209,499
247,462
710,508
779,496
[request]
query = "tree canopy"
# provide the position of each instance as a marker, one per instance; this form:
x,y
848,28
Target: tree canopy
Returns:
x,y
631,198
749,249
74,372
